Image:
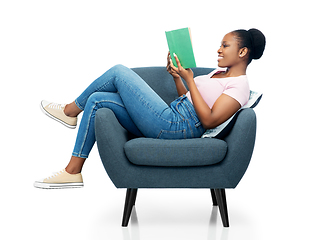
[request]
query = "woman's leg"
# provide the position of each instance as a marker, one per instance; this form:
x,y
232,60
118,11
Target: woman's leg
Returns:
x,y
144,106
86,136
72,110
107,91
86,133
138,108
142,103
75,165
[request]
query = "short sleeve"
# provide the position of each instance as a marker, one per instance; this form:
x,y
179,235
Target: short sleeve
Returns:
x,y
239,90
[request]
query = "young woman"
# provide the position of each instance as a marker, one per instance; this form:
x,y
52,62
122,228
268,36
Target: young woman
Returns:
x,y
210,100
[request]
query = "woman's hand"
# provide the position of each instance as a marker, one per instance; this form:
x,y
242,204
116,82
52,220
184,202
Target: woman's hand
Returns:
x,y
186,74
181,89
169,67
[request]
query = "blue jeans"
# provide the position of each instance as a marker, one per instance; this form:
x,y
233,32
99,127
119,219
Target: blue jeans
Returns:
x,y
137,107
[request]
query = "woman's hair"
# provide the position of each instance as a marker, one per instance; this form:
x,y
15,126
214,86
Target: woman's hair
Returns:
x,y
253,39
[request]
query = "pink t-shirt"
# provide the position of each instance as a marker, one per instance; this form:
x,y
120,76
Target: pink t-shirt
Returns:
x,y
212,88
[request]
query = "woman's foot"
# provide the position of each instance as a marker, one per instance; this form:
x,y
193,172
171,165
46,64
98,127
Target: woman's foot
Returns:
x,y
60,180
56,112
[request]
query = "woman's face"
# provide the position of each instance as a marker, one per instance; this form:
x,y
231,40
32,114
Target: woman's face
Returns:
x,y
228,53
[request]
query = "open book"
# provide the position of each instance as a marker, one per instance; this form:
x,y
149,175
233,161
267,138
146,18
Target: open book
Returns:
x,y
180,42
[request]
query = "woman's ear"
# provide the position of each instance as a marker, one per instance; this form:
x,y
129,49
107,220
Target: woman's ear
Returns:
x,y
243,52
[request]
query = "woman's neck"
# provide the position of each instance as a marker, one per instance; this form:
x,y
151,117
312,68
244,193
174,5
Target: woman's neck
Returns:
x,y
236,70
234,73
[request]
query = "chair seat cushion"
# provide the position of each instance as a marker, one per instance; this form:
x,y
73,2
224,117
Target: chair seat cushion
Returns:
x,y
171,153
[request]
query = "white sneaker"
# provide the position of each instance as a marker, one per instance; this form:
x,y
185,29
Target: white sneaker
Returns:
x,y
61,180
56,112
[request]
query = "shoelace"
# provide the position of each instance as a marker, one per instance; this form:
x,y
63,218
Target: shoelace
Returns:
x,y
56,106
55,174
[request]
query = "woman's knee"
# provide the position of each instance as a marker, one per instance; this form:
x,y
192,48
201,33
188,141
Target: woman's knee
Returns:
x,y
104,99
94,98
119,68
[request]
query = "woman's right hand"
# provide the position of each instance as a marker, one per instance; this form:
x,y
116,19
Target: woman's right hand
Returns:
x,y
169,67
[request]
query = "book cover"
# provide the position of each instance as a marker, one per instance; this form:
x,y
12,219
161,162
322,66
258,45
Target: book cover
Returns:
x,y
180,42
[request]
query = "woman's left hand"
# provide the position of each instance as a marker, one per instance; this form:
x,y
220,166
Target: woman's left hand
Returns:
x,y
186,74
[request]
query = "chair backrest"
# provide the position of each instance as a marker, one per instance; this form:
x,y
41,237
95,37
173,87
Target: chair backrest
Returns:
x,y
162,82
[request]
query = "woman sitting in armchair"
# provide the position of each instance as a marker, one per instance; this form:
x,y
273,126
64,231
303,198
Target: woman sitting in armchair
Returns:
x,y
210,100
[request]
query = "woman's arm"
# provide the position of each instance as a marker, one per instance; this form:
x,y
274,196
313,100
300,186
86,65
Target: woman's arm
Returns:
x,y
223,108
181,89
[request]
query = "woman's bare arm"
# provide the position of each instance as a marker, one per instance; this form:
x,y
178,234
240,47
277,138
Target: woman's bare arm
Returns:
x,y
223,108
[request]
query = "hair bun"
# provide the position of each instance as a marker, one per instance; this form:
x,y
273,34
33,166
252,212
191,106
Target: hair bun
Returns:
x,y
258,40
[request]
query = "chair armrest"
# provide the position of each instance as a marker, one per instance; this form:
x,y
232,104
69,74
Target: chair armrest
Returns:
x,y
240,141
111,138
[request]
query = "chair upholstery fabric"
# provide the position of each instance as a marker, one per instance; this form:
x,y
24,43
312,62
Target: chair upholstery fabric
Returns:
x,y
168,153
113,142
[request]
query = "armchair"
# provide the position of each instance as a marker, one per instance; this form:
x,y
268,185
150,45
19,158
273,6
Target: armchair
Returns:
x,y
211,163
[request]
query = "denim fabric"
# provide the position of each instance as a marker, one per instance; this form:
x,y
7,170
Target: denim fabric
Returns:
x,y
137,107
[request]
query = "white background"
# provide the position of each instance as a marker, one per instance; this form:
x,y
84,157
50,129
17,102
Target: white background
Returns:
x,y
53,49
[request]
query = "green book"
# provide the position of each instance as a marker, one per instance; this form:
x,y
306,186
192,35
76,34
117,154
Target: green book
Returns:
x,y
180,42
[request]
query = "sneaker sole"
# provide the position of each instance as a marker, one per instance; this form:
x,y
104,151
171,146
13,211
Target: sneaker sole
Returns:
x,y
56,119
57,185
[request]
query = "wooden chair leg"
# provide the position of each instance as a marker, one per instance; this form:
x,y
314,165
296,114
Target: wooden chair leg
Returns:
x,y
214,198
221,199
131,194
